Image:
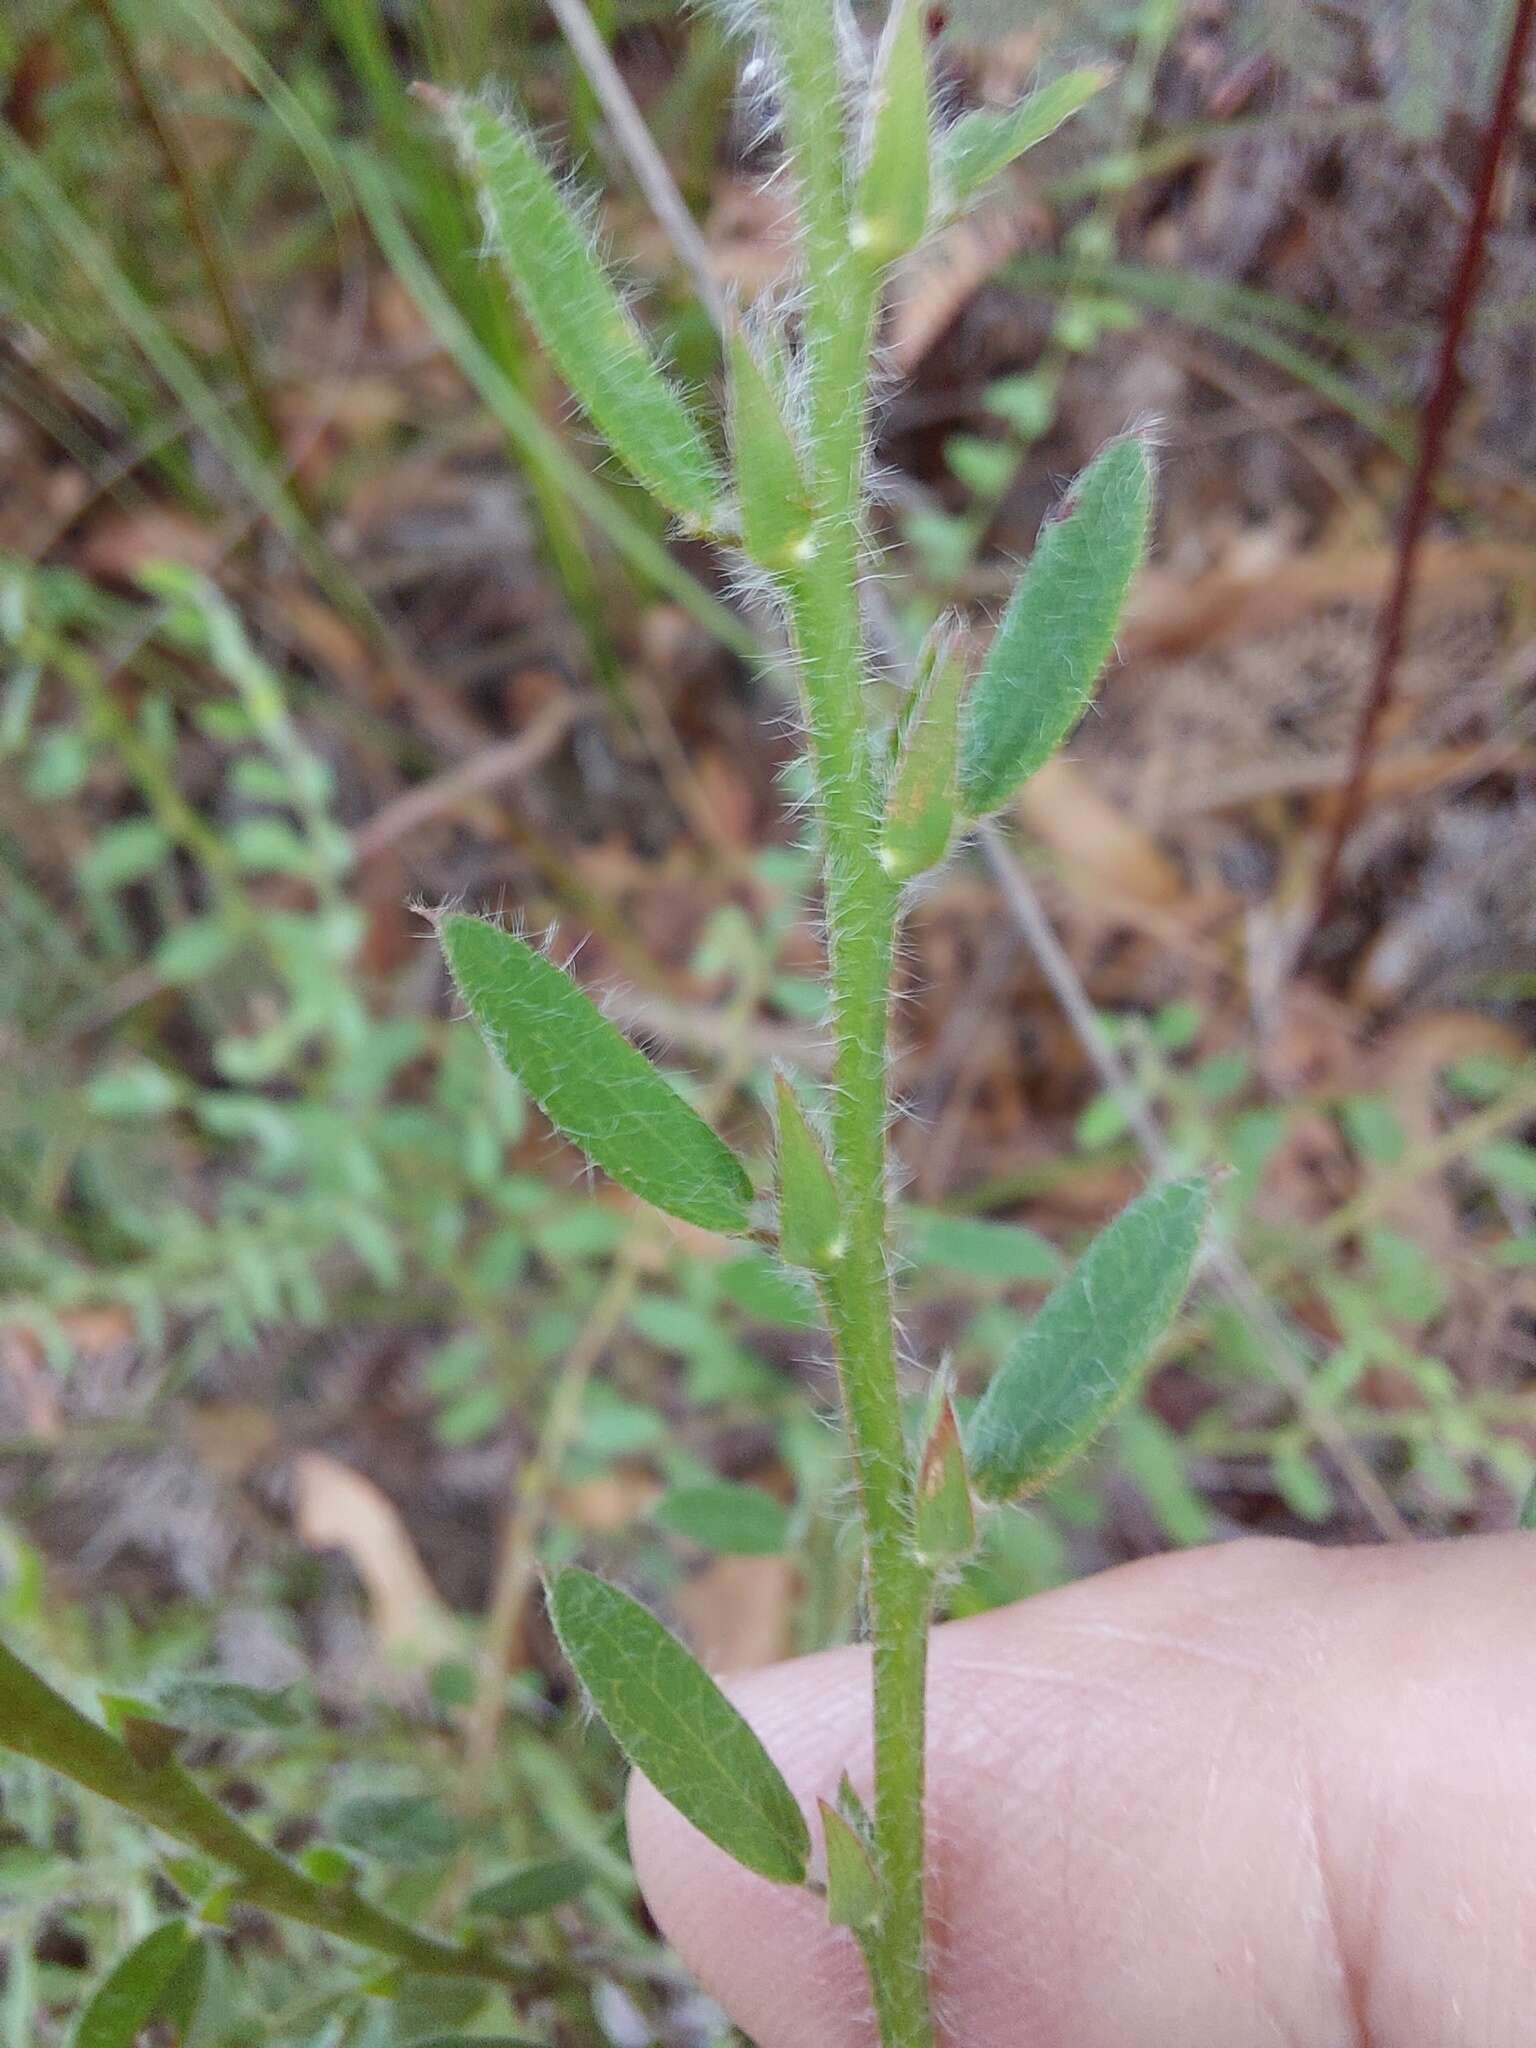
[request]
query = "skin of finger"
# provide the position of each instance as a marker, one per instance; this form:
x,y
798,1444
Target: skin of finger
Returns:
x,y
1258,1794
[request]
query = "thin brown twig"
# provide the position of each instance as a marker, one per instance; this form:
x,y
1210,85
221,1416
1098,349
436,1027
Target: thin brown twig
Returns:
x,y
443,795
1392,625
649,166
1283,1349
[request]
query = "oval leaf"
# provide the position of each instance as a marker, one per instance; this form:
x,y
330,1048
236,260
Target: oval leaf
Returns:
x,y
590,1081
532,1888
982,143
224,1706
474,2041
183,1994
132,1992
675,1724
975,1245
1059,627
736,1520
1079,1358
569,298
398,1827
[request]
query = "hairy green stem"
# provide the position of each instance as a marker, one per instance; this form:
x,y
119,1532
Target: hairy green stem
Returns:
x,y
860,906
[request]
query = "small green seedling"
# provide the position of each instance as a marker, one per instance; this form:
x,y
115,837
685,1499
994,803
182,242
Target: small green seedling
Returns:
x,y
790,493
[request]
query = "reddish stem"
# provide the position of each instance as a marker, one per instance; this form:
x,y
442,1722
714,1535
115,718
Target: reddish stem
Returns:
x,y
1391,626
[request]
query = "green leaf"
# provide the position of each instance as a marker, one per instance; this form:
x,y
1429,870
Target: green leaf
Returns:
x,y
853,1889
767,1291
1300,1485
1078,1360
223,1706
426,2007
137,1088
328,1866
122,854
183,1995
944,1524
982,143
810,1213
1059,627
474,2041
192,949
892,210
397,1827
675,1724
1374,1129
972,1244
775,503
132,1993
591,1082
570,299
738,1521
924,794
532,1888
1528,1508
1510,1165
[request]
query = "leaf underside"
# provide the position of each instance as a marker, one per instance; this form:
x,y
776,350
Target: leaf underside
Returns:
x,y
675,1725
591,1083
1079,1358
1059,628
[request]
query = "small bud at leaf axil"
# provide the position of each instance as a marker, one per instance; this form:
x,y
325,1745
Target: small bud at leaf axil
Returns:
x,y
945,1514
810,1214
853,1888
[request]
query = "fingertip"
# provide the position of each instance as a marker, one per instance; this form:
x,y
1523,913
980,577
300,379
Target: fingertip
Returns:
x,y
764,1951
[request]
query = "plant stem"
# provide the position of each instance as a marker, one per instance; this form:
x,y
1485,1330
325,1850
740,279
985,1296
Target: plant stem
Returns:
x,y
861,905
39,1723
